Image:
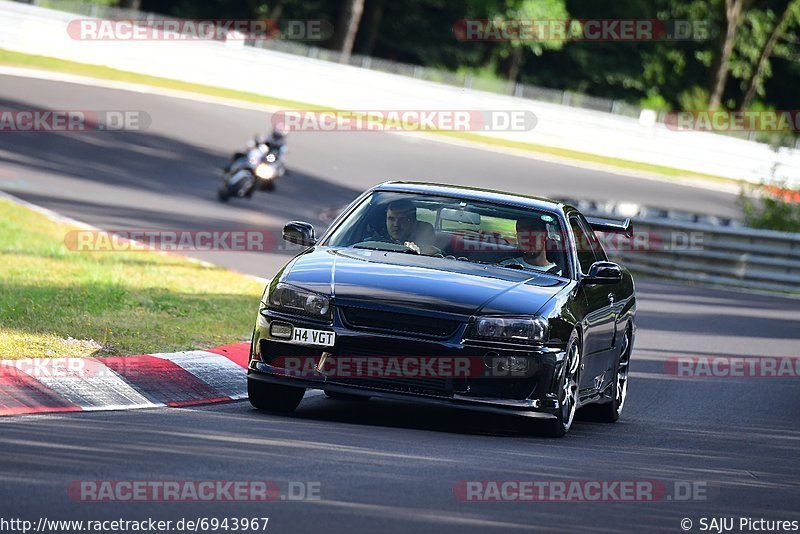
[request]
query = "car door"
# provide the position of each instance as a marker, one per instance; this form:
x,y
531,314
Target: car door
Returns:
x,y
600,320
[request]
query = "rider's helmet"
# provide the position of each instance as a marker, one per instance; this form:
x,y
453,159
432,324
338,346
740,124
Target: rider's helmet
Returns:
x,y
279,133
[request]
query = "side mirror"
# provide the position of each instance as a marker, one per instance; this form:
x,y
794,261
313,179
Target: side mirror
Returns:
x,y
299,233
603,272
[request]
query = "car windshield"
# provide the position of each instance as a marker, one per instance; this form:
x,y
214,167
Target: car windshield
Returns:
x,y
456,229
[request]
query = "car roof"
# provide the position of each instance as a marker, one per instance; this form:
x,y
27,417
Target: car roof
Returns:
x,y
473,193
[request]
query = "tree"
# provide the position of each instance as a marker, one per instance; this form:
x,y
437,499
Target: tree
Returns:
x,y
790,15
373,18
734,10
348,25
527,10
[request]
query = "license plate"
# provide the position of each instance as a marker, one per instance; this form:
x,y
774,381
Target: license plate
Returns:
x,y
307,336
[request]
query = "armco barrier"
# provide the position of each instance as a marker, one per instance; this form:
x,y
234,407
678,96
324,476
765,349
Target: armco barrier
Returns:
x,y
36,30
739,257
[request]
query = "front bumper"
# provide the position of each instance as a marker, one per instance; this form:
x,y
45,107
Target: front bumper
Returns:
x,y
532,393
526,408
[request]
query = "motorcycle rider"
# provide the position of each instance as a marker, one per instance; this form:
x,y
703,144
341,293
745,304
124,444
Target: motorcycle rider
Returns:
x,y
271,149
277,144
276,141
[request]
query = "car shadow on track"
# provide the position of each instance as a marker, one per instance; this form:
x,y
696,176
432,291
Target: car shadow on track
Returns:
x,y
412,416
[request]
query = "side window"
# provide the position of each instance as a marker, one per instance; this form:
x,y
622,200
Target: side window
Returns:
x,y
586,243
597,248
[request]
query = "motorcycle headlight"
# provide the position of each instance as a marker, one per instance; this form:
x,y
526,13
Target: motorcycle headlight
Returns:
x,y
295,300
529,330
265,171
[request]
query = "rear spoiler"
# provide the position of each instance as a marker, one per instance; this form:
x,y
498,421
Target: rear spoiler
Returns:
x,y
608,225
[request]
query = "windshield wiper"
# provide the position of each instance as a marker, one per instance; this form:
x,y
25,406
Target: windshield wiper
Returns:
x,y
405,250
519,267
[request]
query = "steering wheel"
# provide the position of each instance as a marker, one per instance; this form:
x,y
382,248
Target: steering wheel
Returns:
x,y
430,250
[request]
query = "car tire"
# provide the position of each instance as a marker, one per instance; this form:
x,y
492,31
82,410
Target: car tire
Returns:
x,y
568,388
346,396
273,397
558,427
610,411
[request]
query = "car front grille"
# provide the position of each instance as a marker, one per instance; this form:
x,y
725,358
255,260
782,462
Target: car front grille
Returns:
x,y
273,352
364,319
432,386
417,386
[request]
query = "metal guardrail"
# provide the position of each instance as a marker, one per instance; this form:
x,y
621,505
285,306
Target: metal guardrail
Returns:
x,y
737,257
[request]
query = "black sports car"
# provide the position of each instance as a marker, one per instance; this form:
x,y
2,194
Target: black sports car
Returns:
x,y
441,294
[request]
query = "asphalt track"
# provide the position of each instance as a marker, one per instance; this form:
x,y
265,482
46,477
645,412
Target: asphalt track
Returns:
x,y
388,466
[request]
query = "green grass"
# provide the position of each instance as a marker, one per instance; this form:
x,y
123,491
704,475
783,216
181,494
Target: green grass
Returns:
x,y
53,64
59,302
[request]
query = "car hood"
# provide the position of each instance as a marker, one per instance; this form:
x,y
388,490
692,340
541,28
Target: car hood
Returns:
x,y
395,281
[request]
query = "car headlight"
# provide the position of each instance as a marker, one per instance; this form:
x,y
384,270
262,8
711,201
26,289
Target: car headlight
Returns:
x,y
530,330
295,300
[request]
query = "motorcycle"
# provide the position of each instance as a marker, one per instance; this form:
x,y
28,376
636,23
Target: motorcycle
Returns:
x,y
259,167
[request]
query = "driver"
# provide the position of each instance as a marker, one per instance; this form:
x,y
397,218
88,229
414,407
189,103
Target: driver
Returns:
x,y
532,245
403,227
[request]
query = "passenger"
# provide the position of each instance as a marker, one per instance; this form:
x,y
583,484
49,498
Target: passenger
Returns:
x,y
532,245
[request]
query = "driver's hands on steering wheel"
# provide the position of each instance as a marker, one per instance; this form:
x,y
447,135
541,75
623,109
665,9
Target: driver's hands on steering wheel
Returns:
x,y
426,250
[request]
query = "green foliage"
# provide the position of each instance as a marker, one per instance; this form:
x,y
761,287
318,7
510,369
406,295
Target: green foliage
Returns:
x,y
694,98
654,101
750,39
771,208
533,10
